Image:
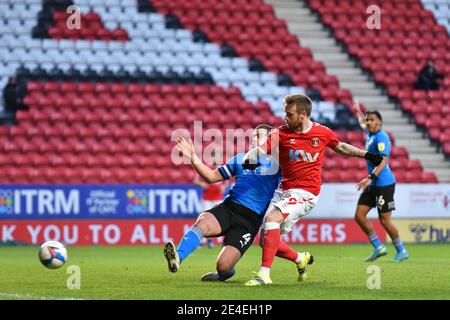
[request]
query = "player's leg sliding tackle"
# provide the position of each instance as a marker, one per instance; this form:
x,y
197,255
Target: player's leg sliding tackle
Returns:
x,y
216,276
226,262
227,259
187,245
171,254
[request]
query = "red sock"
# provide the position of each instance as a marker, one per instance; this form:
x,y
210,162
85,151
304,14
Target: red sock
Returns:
x,y
270,244
284,251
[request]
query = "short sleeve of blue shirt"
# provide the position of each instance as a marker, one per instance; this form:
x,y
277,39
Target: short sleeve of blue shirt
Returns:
x,y
380,143
232,168
383,144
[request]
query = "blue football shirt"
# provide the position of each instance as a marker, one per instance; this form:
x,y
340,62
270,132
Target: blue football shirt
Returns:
x,y
253,189
379,143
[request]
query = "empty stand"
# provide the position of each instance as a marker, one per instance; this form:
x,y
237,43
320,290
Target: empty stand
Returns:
x,y
102,130
103,108
253,30
396,53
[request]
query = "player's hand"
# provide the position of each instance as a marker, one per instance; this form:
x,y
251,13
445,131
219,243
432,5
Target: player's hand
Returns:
x,y
186,148
250,166
364,183
357,107
375,159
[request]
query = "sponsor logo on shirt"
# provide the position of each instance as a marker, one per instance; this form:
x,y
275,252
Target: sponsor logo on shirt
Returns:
x,y
294,155
315,142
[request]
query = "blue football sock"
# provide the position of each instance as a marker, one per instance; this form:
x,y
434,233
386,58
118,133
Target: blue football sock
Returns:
x,y
190,242
226,275
398,245
376,243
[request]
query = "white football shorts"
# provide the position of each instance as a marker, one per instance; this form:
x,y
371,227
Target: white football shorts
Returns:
x,y
294,204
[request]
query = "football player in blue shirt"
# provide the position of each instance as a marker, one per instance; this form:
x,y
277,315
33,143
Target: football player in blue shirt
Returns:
x,y
378,188
239,217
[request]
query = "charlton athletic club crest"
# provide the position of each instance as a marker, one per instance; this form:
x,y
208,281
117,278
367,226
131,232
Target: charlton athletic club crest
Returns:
x,y
315,142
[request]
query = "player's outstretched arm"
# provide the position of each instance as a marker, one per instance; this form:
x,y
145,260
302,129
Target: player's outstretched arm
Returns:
x,y
188,150
348,150
359,115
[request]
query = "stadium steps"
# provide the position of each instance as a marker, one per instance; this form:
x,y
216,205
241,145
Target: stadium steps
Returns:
x,y
302,22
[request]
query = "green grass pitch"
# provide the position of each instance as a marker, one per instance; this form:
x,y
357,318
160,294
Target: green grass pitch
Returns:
x,y
141,273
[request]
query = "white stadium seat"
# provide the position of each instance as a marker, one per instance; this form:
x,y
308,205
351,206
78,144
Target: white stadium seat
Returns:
x,y
151,45
441,11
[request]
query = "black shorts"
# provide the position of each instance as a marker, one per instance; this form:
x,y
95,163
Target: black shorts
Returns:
x,y
238,223
380,197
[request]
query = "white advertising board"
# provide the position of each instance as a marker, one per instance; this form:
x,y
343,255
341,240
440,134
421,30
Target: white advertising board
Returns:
x,y
339,200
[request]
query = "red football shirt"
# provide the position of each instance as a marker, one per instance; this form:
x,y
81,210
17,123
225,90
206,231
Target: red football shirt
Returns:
x,y
213,192
301,155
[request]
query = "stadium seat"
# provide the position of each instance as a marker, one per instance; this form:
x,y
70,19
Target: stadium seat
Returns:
x,y
102,101
395,54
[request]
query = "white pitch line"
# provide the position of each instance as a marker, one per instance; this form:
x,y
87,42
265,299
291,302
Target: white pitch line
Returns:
x,y
33,297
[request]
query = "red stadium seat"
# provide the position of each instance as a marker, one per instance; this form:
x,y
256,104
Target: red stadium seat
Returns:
x,y
413,176
120,133
97,133
414,165
93,28
429,177
410,36
400,176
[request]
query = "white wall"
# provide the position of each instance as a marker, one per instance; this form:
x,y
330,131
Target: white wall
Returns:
x,y
411,200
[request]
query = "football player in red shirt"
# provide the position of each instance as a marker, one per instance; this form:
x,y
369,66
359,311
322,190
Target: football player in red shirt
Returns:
x,y
300,146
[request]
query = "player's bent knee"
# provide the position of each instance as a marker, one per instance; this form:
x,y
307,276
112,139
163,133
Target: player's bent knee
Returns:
x,y
203,223
360,216
227,259
224,266
225,263
384,220
384,224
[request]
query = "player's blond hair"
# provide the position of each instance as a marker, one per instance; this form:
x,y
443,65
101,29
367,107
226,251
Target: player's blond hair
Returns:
x,y
302,102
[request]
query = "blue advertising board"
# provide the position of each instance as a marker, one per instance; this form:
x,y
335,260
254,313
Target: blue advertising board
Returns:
x,y
99,201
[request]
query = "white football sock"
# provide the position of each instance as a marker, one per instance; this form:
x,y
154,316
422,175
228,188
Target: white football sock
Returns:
x,y
300,257
265,271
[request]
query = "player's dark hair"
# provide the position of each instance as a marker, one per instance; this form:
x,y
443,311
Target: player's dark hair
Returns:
x,y
302,102
264,126
376,113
